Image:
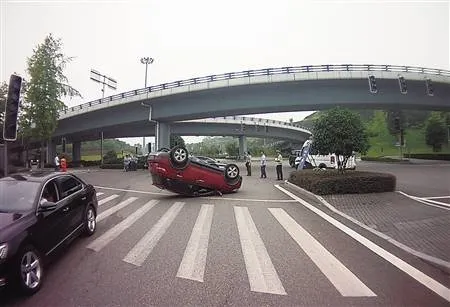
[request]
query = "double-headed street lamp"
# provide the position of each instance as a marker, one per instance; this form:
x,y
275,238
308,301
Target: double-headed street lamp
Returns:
x,y
146,61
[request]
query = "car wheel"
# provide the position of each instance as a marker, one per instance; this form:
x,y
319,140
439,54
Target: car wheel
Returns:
x,y
231,171
179,155
90,222
322,166
29,270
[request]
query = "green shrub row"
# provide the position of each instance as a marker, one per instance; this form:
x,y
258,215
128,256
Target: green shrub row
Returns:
x,y
112,166
382,159
430,156
351,182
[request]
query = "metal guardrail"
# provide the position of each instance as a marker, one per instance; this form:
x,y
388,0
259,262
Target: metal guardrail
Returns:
x,y
263,72
254,121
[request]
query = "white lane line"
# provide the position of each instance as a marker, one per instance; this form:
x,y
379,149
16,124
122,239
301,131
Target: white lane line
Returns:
x,y
436,197
214,198
436,202
261,273
422,278
107,199
340,276
132,191
99,194
116,208
194,260
114,232
423,201
144,247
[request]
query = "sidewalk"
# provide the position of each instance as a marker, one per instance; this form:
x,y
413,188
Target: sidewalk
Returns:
x,y
423,228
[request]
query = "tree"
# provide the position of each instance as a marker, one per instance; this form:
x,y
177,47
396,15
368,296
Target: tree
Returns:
x,y
232,149
44,90
340,131
435,131
176,140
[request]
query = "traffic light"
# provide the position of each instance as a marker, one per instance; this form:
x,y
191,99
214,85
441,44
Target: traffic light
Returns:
x,y
373,84
397,123
402,84
429,85
12,108
149,146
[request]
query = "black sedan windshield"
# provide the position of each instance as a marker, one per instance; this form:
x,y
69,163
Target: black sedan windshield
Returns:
x,y
17,195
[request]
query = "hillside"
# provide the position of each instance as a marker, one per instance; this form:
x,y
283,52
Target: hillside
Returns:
x,y
382,143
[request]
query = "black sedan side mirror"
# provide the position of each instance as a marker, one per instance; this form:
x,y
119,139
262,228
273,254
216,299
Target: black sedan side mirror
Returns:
x,y
47,206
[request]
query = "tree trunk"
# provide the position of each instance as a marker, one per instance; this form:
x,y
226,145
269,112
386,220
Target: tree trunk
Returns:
x,y
41,156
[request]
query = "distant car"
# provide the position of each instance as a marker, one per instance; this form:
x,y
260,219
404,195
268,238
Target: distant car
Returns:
x,y
211,161
174,170
39,212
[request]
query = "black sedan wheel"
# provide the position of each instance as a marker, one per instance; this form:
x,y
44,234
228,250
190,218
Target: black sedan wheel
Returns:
x,y
90,223
179,156
231,171
30,271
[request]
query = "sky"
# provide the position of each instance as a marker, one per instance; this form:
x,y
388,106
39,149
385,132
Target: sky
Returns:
x,y
203,37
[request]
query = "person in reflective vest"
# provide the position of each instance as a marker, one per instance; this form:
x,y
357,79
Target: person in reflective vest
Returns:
x,y
279,161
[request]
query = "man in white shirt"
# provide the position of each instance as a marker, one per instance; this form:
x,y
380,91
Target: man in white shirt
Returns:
x,y
263,165
279,161
56,163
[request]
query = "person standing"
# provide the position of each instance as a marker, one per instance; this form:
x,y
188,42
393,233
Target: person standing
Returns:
x,y
248,163
56,163
263,165
279,161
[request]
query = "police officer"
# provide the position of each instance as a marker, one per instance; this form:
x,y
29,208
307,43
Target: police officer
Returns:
x,y
279,161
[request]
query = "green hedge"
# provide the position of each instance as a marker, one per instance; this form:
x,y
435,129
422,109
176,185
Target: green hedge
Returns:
x,y
112,166
430,156
351,182
382,159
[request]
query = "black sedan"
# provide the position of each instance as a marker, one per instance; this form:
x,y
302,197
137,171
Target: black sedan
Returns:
x,y
39,212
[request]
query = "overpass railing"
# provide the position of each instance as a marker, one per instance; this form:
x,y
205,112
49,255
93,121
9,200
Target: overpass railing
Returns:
x,y
263,72
253,121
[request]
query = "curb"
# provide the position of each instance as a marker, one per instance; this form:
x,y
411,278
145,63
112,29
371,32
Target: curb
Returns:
x,y
434,260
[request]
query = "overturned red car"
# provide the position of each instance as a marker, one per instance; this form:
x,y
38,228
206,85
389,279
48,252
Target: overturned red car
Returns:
x,y
175,171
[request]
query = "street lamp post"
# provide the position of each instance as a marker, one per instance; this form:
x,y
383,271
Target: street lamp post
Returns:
x,y
146,61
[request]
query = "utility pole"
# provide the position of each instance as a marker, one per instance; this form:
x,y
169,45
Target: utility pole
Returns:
x,y
103,79
146,61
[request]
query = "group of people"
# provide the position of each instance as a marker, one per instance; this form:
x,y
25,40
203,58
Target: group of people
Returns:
x,y
263,163
60,164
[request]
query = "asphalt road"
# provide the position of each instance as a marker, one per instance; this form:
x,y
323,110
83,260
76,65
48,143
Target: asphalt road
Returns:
x,y
257,247
419,178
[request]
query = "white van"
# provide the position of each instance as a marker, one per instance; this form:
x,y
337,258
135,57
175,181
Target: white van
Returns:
x,y
324,161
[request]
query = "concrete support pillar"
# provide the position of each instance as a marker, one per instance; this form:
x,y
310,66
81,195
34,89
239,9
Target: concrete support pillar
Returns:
x,y
76,151
51,151
162,135
242,146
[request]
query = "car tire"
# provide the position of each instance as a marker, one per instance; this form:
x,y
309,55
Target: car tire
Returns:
x,y
322,166
179,156
89,221
231,171
29,270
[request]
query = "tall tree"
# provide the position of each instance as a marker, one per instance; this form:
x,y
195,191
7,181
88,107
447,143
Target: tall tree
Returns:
x,y
340,131
435,131
46,87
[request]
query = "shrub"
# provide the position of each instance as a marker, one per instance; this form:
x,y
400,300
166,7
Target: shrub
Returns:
x,y
351,182
429,156
110,157
112,166
382,159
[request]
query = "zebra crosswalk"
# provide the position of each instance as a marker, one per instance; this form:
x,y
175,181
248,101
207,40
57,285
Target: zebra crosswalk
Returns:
x,y
261,270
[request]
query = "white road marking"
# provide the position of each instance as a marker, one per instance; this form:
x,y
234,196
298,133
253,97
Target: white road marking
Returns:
x,y
194,260
214,198
340,276
145,246
132,191
425,202
436,197
107,199
114,232
422,278
436,202
116,208
262,275
99,194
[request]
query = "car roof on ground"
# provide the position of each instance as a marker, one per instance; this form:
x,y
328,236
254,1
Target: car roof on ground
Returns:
x,y
34,176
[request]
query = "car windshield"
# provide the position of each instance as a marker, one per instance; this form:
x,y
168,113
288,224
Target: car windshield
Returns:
x,y
17,195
